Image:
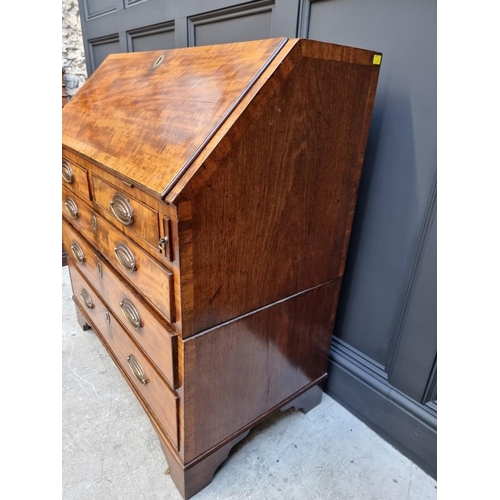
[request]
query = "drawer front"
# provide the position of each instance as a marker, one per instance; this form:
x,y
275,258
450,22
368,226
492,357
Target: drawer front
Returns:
x,y
80,215
159,398
81,254
154,337
131,216
151,279
75,178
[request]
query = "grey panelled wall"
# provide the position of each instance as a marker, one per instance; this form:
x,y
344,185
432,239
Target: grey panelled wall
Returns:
x,y
383,357
400,164
111,26
387,319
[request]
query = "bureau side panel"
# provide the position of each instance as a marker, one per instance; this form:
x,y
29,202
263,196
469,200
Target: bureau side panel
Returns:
x,y
237,372
272,207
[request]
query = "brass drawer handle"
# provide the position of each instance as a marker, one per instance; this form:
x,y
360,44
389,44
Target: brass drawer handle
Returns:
x,y
137,369
131,314
125,257
87,299
67,172
93,222
77,251
121,209
71,208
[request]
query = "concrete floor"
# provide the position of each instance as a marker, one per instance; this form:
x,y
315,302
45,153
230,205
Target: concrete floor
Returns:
x,y
110,450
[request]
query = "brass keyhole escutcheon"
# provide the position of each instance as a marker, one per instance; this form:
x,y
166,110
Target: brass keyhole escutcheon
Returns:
x,y
158,61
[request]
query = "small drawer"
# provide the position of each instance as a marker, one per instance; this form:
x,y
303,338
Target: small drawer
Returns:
x,y
80,215
153,335
156,395
130,215
154,281
75,178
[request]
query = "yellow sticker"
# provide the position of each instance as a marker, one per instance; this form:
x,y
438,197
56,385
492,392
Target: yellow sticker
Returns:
x,y
377,59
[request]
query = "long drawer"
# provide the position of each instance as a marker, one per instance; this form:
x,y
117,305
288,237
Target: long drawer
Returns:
x,y
154,336
160,400
154,281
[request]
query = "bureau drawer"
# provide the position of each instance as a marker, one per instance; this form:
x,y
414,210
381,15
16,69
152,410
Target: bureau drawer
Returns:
x,y
154,337
161,401
130,215
75,177
151,279
80,215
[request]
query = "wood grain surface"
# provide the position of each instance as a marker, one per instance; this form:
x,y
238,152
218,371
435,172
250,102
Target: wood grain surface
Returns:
x,y
272,206
145,222
79,183
266,357
146,122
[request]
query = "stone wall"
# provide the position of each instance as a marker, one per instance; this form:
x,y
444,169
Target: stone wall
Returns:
x,y
73,56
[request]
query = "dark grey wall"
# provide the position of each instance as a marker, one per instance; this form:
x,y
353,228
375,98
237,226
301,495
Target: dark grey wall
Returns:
x,y
400,162
383,357
383,361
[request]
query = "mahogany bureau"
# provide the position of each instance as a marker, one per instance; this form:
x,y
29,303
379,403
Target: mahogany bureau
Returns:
x,y
208,197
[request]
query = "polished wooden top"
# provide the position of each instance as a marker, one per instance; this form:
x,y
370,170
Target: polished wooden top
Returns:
x,y
146,122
